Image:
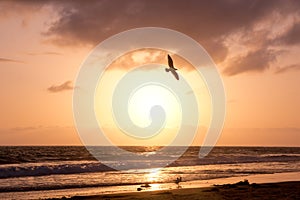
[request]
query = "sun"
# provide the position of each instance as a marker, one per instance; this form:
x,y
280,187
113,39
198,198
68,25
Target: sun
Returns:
x,y
128,102
145,97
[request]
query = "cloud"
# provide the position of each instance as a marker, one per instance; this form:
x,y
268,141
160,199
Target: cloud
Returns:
x,y
206,22
260,48
140,57
253,61
33,128
211,23
148,56
10,60
44,53
292,36
294,67
15,7
85,22
27,128
217,49
60,88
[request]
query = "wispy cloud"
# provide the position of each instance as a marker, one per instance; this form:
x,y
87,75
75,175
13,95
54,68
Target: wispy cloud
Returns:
x,y
294,67
43,53
60,88
140,57
254,61
27,128
10,60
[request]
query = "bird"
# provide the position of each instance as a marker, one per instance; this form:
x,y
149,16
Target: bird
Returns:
x,y
178,180
171,68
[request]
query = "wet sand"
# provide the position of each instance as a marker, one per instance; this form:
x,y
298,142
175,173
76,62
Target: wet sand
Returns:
x,y
240,190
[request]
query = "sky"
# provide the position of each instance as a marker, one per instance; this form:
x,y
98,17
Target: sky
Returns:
x,y
255,45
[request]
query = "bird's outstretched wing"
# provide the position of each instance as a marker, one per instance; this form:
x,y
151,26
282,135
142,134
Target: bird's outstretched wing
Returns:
x,y
175,74
170,61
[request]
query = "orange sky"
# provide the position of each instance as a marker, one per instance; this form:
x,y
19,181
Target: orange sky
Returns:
x,y
255,45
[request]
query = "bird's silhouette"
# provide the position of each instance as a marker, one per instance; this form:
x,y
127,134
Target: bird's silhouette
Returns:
x,y
171,68
178,180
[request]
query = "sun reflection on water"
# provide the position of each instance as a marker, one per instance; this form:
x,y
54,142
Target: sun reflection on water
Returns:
x,y
153,178
154,175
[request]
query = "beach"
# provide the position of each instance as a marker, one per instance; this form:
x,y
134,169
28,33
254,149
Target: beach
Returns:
x,y
263,186
241,190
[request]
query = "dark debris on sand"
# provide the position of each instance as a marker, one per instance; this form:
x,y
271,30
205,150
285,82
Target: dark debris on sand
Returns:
x,y
245,190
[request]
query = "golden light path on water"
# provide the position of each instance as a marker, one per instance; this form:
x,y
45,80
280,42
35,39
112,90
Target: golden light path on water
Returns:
x,y
152,177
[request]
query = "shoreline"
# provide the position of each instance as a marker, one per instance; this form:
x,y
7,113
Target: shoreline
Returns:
x,y
241,190
198,185
191,188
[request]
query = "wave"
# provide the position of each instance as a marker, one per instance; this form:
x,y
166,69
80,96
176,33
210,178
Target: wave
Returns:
x,y
60,186
137,177
41,169
232,159
75,167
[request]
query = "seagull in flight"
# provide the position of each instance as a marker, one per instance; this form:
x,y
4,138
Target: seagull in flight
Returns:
x,y
171,68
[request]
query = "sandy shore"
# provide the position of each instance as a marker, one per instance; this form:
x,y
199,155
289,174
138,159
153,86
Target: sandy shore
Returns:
x,y
241,190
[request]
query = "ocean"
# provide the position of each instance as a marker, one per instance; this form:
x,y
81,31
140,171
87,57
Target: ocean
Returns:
x,y
36,170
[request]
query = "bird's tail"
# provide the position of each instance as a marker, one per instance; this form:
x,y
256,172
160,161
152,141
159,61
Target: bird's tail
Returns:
x,y
167,70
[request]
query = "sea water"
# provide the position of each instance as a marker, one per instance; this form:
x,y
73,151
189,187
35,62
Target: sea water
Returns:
x,y
51,171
